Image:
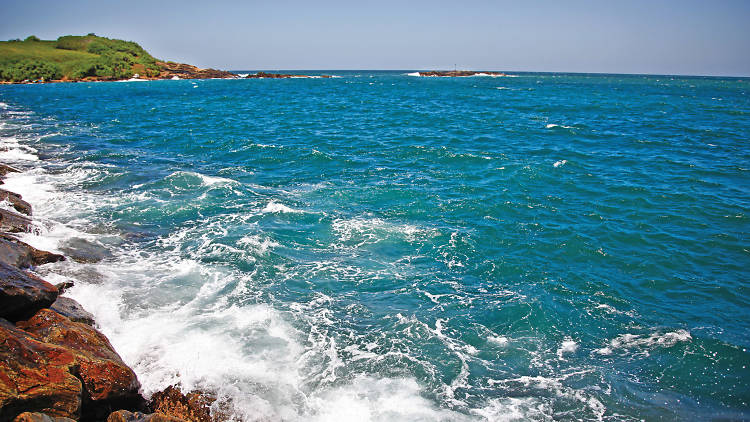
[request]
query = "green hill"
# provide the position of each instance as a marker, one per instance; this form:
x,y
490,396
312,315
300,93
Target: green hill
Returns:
x,y
74,58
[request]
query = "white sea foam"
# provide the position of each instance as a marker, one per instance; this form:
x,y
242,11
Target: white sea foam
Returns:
x,y
568,346
553,125
414,74
556,386
274,207
559,163
514,409
379,399
364,230
258,243
11,150
501,341
642,344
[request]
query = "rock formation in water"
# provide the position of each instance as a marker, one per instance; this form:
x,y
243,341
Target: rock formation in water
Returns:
x,y
55,366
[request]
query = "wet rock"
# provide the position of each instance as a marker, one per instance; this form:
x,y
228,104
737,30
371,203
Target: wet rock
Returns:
x,y
23,294
194,406
22,255
107,382
5,169
84,251
40,417
125,416
36,376
72,310
16,201
64,286
14,222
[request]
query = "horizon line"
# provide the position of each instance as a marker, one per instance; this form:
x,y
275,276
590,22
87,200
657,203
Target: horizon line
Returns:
x,y
494,70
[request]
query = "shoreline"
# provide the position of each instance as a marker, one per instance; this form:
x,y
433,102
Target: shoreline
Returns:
x,y
55,362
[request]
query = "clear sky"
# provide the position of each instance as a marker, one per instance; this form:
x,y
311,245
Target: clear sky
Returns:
x,y
697,37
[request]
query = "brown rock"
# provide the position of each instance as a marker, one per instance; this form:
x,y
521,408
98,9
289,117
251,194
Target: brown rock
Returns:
x,y
107,382
40,417
23,294
16,200
22,255
72,310
193,407
84,251
5,169
14,222
125,416
36,376
64,286
186,71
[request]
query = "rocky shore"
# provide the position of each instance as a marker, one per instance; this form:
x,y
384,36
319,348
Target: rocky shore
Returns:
x,y
55,366
459,73
170,70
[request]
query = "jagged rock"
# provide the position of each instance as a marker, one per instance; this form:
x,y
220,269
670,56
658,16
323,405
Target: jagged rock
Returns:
x,y
125,416
107,382
22,255
40,417
84,251
14,222
36,376
186,71
5,169
193,407
64,286
23,294
72,310
16,200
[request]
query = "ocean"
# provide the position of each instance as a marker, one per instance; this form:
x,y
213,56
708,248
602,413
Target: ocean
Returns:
x,y
384,247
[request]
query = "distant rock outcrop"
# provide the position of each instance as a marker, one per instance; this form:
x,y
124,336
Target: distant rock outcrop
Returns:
x,y
459,73
264,75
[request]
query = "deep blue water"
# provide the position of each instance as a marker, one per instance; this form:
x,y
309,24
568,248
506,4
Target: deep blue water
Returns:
x,y
380,246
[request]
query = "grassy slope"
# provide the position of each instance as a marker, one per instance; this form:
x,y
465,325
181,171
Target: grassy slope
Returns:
x,y
80,57
11,52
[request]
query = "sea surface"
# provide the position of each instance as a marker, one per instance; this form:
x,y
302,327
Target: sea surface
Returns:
x,y
385,247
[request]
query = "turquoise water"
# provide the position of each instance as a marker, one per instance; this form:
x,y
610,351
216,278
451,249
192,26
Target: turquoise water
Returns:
x,y
380,246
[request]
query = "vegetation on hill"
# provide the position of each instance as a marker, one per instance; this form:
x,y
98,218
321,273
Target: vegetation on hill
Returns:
x,y
70,57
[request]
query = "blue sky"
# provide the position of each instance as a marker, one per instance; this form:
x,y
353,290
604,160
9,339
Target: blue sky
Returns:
x,y
662,37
